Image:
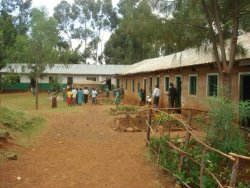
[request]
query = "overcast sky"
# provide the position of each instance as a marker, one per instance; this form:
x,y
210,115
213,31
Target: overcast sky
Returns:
x,y
50,4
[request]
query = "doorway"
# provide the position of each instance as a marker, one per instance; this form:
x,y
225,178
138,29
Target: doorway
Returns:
x,y
178,90
245,92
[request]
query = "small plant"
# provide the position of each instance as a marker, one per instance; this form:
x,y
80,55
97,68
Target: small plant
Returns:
x,y
222,133
162,118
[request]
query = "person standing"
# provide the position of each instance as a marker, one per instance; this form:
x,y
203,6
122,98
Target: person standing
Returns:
x,y
117,98
172,93
74,92
156,95
80,96
86,95
142,96
69,97
93,95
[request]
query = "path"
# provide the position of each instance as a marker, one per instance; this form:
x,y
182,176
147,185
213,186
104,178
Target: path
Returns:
x,y
82,151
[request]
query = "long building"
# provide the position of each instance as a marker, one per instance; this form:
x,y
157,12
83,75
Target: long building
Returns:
x,y
194,73
69,74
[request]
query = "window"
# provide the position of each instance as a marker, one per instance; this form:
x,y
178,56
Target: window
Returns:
x,y
150,85
212,85
138,86
117,83
51,80
145,83
166,83
91,78
126,84
192,85
158,81
70,80
133,85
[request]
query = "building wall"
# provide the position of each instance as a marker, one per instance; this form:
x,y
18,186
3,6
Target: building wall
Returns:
x,y
198,101
44,82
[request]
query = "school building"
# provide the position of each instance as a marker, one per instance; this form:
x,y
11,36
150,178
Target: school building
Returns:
x,y
194,74
69,75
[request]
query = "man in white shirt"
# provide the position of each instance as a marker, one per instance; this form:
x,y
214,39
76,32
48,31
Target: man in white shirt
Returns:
x,y
86,95
156,95
94,94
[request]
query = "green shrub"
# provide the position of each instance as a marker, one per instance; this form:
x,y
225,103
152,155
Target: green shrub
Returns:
x,y
223,134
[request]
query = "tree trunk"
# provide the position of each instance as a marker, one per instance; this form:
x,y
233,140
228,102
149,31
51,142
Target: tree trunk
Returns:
x,y
36,93
226,82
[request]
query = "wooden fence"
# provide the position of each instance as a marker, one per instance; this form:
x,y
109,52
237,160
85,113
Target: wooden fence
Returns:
x,y
235,158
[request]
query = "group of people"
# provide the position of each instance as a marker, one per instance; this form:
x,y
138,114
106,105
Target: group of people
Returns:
x,y
78,96
172,94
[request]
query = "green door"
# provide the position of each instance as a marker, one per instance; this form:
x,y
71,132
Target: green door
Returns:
x,y
178,89
245,93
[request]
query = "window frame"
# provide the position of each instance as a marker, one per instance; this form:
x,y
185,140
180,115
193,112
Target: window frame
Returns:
x,y
158,81
207,84
166,87
126,84
189,84
133,85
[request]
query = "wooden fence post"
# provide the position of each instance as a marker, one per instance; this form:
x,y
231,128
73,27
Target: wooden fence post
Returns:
x,y
234,173
149,122
202,167
188,135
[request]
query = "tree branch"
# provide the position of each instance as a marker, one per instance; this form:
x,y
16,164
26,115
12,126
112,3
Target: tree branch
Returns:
x,y
220,34
212,34
234,37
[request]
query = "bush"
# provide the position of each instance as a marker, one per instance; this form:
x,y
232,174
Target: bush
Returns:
x,y
223,134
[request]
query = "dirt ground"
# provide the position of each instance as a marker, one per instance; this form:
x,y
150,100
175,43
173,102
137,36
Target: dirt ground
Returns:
x,y
80,149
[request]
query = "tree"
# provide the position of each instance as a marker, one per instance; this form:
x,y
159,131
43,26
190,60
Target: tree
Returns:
x,y
20,10
136,37
217,20
39,49
66,17
95,16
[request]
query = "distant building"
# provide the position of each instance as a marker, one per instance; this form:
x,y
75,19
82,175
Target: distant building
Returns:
x,y
194,74
70,74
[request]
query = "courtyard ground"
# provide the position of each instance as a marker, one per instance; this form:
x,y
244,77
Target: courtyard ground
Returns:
x,y
78,148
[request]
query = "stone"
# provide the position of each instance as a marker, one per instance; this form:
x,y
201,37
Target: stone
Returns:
x,y
136,129
129,129
12,157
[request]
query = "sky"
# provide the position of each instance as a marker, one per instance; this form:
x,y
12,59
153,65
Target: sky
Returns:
x,y
51,4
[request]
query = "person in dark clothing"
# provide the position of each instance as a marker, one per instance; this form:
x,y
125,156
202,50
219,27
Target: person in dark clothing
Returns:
x,y
142,96
172,93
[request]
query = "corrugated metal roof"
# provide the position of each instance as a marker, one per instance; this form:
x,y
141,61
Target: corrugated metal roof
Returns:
x,y
76,69
188,57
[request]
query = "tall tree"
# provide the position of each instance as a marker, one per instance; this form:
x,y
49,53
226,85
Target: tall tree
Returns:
x,y
20,10
136,37
66,17
39,49
218,20
95,16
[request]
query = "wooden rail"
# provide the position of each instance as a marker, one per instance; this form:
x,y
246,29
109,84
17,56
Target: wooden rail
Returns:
x,y
235,158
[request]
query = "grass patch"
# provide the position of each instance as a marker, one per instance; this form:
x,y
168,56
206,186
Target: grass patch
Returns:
x,y
20,126
21,122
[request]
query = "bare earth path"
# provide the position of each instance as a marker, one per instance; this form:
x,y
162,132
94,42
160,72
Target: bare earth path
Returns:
x,y
80,149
